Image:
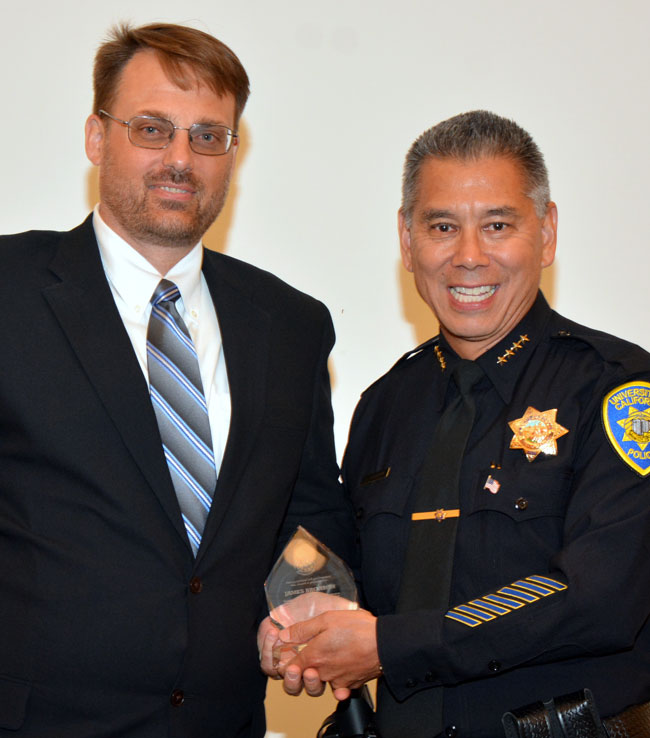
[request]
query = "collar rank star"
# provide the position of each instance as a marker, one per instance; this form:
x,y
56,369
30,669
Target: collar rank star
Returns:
x,y
509,353
536,432
626,419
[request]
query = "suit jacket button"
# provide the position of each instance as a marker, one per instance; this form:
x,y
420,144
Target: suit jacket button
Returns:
x,y
359,513
196,585
494,666
521,503
451,731
430,676
177,698
410,683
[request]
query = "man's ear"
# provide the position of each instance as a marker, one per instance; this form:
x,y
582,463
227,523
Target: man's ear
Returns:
x,y
234,149
95,135
404,241
549,234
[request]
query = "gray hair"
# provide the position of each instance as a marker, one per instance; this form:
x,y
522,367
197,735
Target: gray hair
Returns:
x,y
472,136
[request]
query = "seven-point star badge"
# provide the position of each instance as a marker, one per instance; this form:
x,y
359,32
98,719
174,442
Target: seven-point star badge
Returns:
x,y
536,432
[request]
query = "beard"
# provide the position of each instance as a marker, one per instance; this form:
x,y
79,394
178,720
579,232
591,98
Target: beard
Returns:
x,y
159,222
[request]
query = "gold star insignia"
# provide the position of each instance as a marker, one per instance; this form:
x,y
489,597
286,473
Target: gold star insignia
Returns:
x,y
440,357
516,345
536,432
637,427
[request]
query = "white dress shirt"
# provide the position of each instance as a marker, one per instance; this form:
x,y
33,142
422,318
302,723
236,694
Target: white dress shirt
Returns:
x,y
133,279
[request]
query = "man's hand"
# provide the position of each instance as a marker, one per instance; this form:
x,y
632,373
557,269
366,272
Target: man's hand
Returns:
x,y
268,639
341,648
274,657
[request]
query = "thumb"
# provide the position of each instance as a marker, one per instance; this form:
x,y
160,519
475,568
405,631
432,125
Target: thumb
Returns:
x,y
301,632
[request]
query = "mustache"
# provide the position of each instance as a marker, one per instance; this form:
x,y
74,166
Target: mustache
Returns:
x,y
172,177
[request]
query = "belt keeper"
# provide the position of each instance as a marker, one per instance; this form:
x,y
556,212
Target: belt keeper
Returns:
x,y
561,717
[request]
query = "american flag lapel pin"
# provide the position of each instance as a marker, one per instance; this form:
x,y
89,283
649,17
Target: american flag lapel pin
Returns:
x,y
492,485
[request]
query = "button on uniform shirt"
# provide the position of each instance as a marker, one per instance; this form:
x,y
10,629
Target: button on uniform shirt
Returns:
x,y
133,279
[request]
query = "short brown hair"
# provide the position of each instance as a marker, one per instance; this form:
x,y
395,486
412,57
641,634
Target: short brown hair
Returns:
x,y
180,50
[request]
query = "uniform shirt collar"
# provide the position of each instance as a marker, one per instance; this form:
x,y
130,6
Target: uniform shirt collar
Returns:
x,y
505,362
134,279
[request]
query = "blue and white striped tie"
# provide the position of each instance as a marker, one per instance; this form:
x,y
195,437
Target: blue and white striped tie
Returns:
x,y
181,410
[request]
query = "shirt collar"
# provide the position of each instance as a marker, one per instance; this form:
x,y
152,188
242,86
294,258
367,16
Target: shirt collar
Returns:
x,y
505,362
134,279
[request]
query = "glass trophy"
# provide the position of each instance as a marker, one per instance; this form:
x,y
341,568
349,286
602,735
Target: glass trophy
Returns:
x,y
307,580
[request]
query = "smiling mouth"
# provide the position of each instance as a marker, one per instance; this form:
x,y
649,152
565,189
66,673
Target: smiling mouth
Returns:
x,y
175,190
473,294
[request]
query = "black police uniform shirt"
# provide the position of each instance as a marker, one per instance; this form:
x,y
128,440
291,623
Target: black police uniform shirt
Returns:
x,y
551,574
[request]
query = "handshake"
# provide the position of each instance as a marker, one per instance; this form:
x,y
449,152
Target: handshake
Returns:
x,y
316,633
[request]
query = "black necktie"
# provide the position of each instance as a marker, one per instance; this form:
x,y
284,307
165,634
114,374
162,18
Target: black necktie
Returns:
x,y
429,556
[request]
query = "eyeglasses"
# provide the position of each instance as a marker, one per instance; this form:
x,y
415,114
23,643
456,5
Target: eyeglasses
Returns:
x,y
156,133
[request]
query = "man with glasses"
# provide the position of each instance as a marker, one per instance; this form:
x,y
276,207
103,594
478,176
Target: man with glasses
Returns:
x,y
165,418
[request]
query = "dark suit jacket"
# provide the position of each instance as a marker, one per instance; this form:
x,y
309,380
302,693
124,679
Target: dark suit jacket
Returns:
x,y
108,626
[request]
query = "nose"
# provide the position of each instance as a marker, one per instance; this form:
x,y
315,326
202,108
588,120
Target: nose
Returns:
x,y
470,252
178,155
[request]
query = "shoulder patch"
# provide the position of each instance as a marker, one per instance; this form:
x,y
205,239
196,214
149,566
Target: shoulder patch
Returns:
x,y
626,419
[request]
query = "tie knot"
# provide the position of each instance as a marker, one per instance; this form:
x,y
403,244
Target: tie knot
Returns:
x,y
166,291
466,374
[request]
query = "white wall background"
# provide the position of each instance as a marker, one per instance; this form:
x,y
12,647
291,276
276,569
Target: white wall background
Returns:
x,y
339,91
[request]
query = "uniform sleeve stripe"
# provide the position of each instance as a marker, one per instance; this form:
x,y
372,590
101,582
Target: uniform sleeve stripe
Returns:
x,y
474,612
453,615
529,586
496,605
547,581
512,592
490,606
512,604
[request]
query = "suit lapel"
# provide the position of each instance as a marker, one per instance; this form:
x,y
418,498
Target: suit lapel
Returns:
x,y
84,307
83,304
245,330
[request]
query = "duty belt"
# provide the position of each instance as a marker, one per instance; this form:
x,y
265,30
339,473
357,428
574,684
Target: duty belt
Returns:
x,y
631,723
575,714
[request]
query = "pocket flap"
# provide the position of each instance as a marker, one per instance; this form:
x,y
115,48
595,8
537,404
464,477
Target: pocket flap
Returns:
x,y
522,494
385,493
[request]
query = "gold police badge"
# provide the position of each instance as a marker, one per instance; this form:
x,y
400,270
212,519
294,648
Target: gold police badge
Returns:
x,y
536,432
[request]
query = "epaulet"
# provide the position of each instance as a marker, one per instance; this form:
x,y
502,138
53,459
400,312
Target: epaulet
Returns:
x,y
632,358
431,343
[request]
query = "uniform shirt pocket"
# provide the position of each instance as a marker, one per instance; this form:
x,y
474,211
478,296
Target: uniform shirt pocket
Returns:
x,y
380,504
512,528
521,494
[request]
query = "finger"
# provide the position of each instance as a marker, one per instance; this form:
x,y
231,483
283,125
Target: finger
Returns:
x,y
266,627
283,655
341,693
312,682
293,680
268,660
302,632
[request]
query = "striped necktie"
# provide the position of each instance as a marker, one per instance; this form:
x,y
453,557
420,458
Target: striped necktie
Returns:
x,y
181,410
